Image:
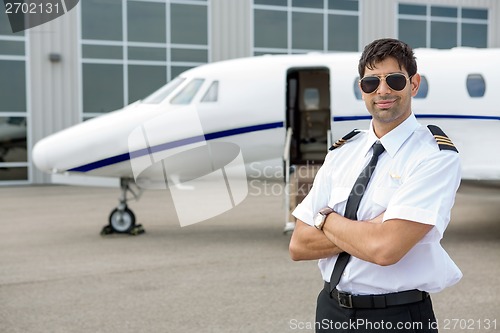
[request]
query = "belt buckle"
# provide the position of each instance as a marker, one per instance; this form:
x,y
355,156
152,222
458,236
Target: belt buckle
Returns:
x,y
345,300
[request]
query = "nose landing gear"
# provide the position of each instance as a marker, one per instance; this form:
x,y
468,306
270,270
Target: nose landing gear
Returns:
x,y
122,219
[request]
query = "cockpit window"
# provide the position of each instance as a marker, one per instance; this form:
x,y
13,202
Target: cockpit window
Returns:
x,y
212,92
186,95
159,95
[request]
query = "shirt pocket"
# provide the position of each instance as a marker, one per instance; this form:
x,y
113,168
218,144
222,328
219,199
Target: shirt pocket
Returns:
x,y
383,195
338,198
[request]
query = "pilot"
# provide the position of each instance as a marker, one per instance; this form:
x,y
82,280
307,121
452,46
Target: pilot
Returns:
x,y
379,207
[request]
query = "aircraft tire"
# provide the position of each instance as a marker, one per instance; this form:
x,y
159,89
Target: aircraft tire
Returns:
x,y
122,222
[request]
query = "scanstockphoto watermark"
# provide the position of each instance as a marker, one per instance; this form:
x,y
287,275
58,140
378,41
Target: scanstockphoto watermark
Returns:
x,y
269,180
362,325
356,325
204,178
26,14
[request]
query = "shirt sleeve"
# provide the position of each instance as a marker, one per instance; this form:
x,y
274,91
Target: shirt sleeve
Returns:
x,y
428,192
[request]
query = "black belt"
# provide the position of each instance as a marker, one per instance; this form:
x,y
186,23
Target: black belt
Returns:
x,y
347,300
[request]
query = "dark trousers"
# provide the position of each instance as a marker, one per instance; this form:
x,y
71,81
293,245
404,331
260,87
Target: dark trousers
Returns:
x,y
415,317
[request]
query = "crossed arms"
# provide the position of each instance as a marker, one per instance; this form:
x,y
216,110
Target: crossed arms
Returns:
x,y
373,241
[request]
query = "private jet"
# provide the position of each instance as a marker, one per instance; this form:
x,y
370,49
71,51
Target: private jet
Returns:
x,y
216,120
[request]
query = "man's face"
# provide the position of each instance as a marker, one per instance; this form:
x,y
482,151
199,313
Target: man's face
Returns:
x,y
389,107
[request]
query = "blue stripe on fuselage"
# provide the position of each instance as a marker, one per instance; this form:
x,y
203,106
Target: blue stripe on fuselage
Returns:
x,y
174,144
242,130
421,116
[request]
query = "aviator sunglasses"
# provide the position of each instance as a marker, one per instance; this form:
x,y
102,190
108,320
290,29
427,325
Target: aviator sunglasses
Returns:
x,y
395,81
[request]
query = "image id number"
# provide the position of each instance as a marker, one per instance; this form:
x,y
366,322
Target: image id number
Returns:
x,y
469,324
31,8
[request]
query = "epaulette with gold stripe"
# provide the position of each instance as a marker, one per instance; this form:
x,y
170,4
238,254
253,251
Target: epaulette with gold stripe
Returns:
x,y
344,139
444,143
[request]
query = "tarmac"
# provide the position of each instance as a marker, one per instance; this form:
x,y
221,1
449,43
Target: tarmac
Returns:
x,y
231,273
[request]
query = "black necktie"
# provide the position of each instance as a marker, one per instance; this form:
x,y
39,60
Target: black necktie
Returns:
x,y
351,209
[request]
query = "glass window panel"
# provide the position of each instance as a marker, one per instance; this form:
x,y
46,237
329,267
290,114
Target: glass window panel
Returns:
x,y
12,85
444,11
101,19
5,28
7,174
423,90
472,13
474,35
189,55
8,47
147,53
476,86
307,31
186,95
143,80
13,146
412,9
102,87
102,52
272,2
146,22
270,28
342,33
162,93
212,93
189,24
413,32
308,3
176,70
443,35
343,4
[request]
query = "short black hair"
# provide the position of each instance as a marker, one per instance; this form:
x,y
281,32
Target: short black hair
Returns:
x,y
380,49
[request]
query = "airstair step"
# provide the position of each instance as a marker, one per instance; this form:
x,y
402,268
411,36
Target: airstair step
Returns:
x,y
301,181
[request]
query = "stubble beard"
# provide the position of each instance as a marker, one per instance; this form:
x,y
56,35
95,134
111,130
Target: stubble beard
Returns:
x,y
390,115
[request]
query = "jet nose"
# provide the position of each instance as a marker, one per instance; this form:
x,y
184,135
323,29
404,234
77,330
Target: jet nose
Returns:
x,y
41,157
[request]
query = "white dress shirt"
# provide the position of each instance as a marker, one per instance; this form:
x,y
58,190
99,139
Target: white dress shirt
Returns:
x,y
413,180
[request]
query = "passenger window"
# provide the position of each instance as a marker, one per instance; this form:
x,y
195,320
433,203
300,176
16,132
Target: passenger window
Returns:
x,y
212,93
186,95
357,91
423,90
476,86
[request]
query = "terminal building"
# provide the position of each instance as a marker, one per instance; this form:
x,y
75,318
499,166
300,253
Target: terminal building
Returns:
x,y
105,54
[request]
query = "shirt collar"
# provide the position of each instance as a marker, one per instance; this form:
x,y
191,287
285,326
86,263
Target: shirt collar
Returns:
x,y
393,140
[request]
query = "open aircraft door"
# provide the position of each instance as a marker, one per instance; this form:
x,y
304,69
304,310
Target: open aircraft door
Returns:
x,y
308,122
